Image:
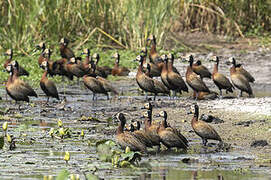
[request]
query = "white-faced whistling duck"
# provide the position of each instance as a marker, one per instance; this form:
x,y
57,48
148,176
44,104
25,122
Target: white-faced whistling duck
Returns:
x,y
151,129
168,137
193,80
239,80
106,84
117,70
59,67
221,81
167,126
141,135
105,70
144,82
94,85
201,70
22,71
173,78
74,67
203,129
127,139
155,69
158,85
52,67
48,86
239,68
85,63
42,47
16,88
165,72
153,53
65,51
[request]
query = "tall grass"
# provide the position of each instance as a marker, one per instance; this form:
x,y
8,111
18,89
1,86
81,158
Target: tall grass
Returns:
x,y
124,23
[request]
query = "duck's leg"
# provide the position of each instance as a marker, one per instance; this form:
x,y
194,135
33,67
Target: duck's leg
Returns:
x,y
47,100
241,94
93,97
204,142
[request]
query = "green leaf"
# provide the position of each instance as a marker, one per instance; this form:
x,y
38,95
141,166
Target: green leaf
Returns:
x,y
64,174
92,177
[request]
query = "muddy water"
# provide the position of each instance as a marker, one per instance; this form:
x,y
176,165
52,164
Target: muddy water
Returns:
x,y
37,155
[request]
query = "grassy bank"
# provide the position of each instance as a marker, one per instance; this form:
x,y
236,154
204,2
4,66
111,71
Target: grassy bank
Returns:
x,y
125,23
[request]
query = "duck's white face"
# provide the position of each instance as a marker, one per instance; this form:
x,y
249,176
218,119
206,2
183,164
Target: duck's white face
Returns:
x,y
62,41
169,56
163,56
162,113
86,51
231,59
116,55
150,37
13,63
44,64
47,51
9,52
41,44
147,105
8,68
138,58
72,60
95,55
145,114
144,49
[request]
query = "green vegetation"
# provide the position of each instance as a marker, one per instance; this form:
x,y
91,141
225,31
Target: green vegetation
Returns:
x,y
120,24
124,23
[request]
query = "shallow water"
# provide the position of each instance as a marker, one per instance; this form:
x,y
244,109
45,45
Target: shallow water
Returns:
x,y
38,155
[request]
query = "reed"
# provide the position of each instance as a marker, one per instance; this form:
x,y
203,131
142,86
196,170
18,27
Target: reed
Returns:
x,y
124,23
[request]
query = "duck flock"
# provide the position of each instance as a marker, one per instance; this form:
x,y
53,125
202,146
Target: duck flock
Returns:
x,y
151,66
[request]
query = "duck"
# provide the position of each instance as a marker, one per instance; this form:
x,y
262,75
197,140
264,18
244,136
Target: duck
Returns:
x,y
105,83
239,68
151,130
153,52
52,67
239,80
203,129
74,67
144,82
16,88
94,85
201,70
166,126
104,71
164,73
65,51
193,80
48,86
175,79
169,137
141,135
221,81
85,63
42,47
158,85
128,139
117,70
155,69
22,71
